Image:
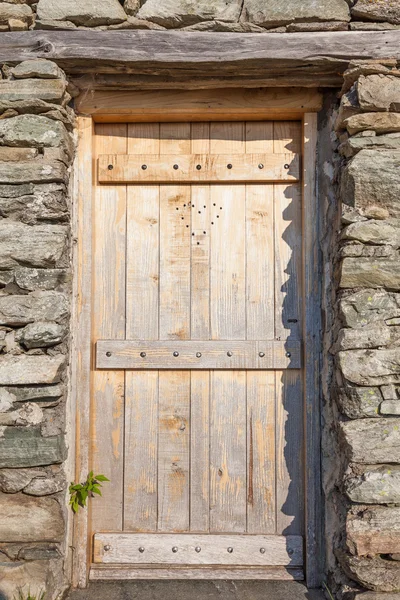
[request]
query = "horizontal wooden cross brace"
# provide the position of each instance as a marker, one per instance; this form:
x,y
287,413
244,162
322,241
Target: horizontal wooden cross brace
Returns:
x,y
179,355
192,168
198,549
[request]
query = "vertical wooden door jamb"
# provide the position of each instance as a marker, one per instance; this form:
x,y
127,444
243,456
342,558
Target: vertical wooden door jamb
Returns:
x,y
81,336
312,354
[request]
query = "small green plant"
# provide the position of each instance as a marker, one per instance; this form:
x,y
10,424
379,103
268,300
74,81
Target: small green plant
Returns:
x,y
328,592
21,595
80,492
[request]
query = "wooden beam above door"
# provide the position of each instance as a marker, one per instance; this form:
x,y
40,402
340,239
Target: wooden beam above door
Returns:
x,y
196,168
319,58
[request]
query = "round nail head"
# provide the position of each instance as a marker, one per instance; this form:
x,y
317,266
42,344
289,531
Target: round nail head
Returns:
x,y
144,167
288,354
260,166
261,354
198,549
108,354
176,354
175,549
287,166
176,167
141,549
262,550
107,547
230,549
229,166
110,167
229,353
198,354
198,167
143,354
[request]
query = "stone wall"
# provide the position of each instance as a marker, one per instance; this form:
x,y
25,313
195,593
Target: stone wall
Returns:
x,y
362,478
36,151
202,15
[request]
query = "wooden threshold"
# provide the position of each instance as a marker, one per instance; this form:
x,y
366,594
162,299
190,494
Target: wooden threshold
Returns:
x,y
124,573
260,355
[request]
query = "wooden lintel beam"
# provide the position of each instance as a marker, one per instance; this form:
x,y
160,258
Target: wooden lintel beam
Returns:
x,y
174,55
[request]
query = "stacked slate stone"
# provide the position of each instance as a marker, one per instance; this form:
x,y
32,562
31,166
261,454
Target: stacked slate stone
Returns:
x,y
254,16
367,348
36,152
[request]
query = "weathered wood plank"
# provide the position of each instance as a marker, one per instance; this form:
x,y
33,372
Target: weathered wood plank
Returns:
x,y
119,572
107,409
194,168
230,104
198,549
142,306
234,54
214,354
174,317
200,330
80,385
312,333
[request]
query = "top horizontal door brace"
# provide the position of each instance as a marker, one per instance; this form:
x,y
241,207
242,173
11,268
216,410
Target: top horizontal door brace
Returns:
x,y
192,168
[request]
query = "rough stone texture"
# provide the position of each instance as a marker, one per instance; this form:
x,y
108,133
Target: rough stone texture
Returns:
x,y
372,336
374,573
34,131
36,153
20,12
40,68
379,485
37,246
383,437
179,13
374,232
374,530
275,13
390,407
25,447
89,13
41,334
377,10
371,367
373,177
50,90
355,144
381,123
131,7
359,402
30,369
379,93
371,272
368,306
42,519
38,306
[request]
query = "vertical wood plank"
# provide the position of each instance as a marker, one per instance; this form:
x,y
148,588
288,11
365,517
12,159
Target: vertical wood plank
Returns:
x,y
311,334
109,237
81,344
174,317
290,450
261,490
200,330
142,298
288,324
228,321
260,306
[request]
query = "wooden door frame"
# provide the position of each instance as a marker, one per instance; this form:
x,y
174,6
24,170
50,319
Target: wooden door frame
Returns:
x,y
201,105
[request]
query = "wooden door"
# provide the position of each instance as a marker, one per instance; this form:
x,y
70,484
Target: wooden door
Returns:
x,y
197,406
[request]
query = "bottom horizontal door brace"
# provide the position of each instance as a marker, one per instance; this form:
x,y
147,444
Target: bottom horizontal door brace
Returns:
x,y
198,549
